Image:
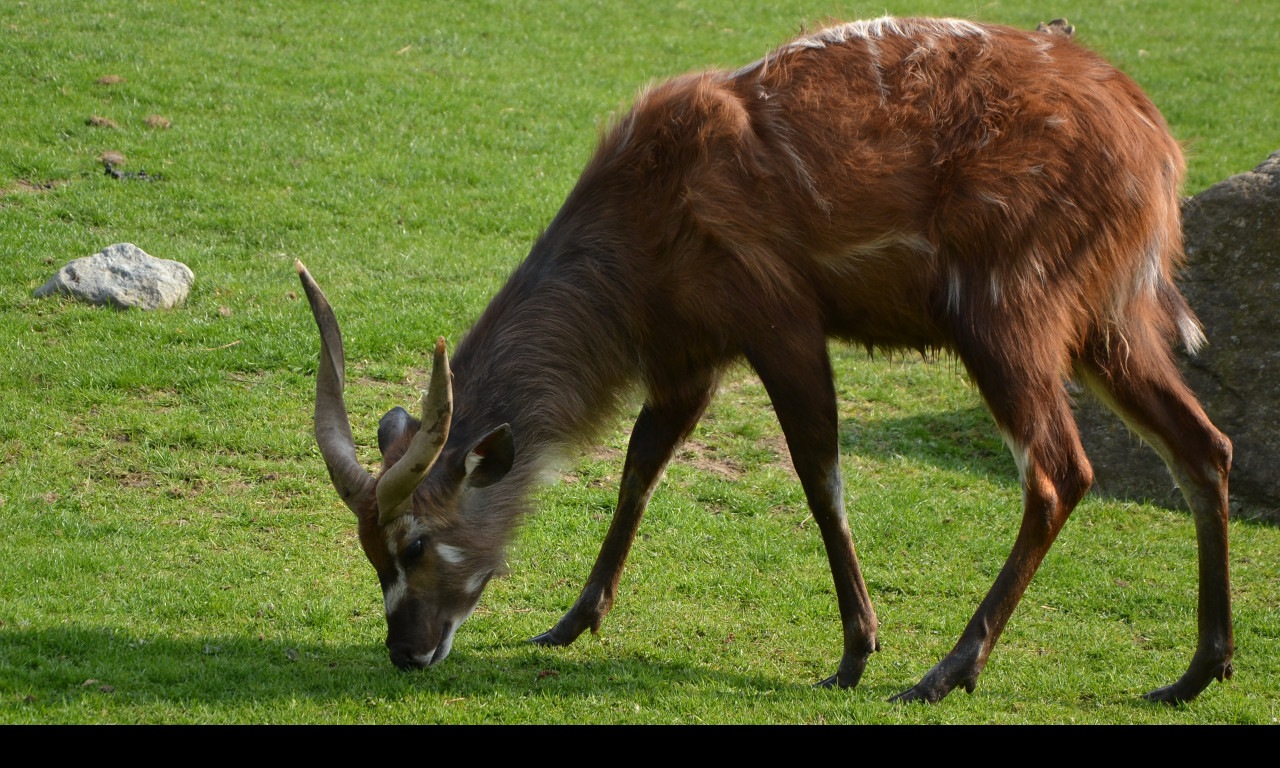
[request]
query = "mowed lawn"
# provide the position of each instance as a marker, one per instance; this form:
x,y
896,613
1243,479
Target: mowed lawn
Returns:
x,y
172,550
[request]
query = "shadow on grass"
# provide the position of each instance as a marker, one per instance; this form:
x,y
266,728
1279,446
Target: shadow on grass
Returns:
x,y
69,668
964,440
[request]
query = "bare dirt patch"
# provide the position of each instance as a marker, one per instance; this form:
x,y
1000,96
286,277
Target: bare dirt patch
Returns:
x,y
369,375
133,479
607,453
709,458
162,396
741,388
778,444
27,186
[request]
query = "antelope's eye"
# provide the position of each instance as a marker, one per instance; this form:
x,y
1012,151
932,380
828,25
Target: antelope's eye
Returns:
x,y
414,550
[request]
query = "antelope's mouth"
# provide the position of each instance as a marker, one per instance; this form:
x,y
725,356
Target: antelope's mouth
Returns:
x,y
406,659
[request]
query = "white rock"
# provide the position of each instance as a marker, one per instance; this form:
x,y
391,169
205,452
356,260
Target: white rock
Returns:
x,y
123,275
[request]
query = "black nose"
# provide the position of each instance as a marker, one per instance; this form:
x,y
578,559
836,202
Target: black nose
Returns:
x,y
403,658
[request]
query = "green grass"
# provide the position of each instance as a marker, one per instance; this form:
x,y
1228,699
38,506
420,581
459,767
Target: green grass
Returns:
x,y
172,550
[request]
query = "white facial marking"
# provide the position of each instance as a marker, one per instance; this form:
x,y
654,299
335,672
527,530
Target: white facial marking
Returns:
x,y
396,592
451,554
476,583
446,643
405,528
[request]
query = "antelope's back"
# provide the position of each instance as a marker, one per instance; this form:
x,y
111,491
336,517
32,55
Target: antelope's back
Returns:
x,y
908,170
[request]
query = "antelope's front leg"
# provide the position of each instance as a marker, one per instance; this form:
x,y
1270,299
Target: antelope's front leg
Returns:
x,y
660,427
797,374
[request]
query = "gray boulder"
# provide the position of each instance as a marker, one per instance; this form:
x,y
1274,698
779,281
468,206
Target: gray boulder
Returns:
x,y
123,275
1232,281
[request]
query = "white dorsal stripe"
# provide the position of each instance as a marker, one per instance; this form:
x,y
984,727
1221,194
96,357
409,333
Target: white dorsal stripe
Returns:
x,y
885,26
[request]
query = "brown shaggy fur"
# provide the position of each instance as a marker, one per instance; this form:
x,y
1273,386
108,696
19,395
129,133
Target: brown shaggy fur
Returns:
x,y
900,183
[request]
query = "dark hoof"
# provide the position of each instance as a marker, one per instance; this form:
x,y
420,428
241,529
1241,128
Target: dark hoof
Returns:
x,y
1190,685
930,690
548,638
911,695
847,676
1170,694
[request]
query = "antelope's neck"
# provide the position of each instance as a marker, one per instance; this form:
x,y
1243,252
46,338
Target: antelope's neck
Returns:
x,y
549,356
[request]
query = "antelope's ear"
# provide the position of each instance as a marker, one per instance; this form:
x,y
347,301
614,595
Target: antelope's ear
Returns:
x,y
491,458
392,426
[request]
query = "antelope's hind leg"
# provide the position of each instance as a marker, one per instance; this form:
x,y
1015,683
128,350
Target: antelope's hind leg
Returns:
x,y
797,374
661,426
1136,377
1029,402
